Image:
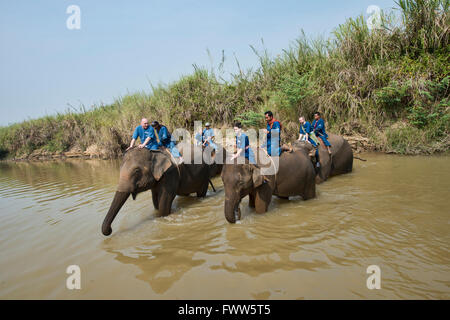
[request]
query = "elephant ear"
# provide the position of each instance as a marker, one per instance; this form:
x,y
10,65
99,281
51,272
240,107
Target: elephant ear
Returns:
x,y
258,178
160,164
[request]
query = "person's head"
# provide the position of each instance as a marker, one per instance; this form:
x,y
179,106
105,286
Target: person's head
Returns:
x,y
155,124
208,125
317,115
144,123
237,126
269,116
301,119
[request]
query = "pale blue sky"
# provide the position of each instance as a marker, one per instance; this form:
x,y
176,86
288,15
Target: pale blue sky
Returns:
x,y
122,45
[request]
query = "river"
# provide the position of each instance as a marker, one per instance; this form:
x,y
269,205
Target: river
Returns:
x,y
391,211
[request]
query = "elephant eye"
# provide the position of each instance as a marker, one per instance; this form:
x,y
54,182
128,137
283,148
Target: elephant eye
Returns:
x,y
137,172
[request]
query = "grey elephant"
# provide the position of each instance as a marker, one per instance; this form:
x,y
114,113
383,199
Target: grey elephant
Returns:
x,y
214,158
295,177
143,170
339,162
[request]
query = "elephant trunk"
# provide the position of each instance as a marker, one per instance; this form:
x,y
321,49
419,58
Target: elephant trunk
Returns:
x,y
232,211
117,203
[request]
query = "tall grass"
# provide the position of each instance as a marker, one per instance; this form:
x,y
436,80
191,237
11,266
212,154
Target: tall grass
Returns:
x,y
389,84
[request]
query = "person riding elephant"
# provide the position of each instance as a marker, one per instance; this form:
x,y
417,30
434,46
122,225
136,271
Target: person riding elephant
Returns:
x,y
154,170
273,135
293,176
146,135
318,127
164,139
208,137
306,132
340,161
242,144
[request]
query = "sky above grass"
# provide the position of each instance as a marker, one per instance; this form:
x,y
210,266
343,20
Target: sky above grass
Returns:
x,y
123,46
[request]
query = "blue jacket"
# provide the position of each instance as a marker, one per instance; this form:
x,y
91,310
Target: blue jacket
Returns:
x,y
207,133
144,134
319,128
164,137
307,127
276,151
242,142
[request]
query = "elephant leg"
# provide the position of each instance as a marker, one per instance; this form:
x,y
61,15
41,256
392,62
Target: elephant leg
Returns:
x,y
165,200
155,199
310,189
263,197
251,202
203,191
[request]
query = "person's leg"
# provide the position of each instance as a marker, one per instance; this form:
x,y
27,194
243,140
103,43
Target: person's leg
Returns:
x,y
175,152
317,158
327,144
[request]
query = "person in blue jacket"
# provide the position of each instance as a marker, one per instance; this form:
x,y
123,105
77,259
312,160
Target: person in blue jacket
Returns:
x,y
318,126
242,144
208,136
146,136
305,131
165,139
273,144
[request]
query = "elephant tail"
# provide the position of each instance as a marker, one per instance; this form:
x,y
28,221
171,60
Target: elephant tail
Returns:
x,y
355,157
212,186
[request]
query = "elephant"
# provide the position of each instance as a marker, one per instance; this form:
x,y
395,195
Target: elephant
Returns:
x,y
295,176
144,169
339,162
216,160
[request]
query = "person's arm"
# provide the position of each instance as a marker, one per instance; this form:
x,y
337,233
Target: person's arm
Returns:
x,y
277,126
204,137
131,144
239,148
163,134
237,154
133,140
320,125
265,140
142,145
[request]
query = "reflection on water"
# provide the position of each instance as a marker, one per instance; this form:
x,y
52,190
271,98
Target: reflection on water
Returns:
x,y
392,211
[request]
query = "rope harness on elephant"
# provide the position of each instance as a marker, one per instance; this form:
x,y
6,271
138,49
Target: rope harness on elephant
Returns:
x,y
273,163
174,161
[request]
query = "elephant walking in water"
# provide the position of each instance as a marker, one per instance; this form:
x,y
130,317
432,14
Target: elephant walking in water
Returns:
x,y
339,162
295,177
143,170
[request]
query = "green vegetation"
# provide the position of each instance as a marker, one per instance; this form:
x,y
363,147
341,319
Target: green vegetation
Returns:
x,y
390,85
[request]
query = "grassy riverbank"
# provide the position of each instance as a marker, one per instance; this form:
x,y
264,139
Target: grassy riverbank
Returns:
x,y
390,86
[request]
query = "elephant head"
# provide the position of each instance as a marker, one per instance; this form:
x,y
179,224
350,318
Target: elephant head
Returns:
x,y
305,147
239,181
324,170
141,170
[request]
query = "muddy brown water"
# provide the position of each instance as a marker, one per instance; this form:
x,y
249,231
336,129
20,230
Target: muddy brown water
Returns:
x,y
392,211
